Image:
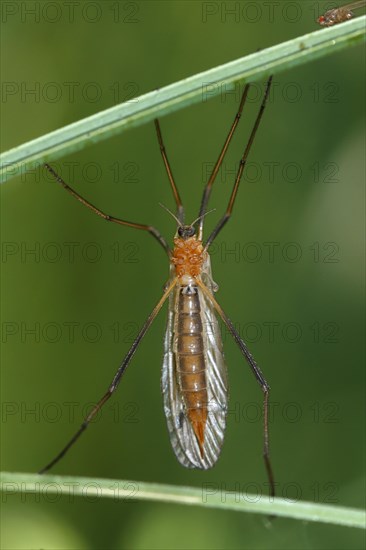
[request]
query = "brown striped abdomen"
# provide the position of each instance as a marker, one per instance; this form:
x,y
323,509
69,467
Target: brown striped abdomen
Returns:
x,y
190,361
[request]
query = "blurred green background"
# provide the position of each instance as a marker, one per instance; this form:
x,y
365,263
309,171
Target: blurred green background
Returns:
x,y
300,307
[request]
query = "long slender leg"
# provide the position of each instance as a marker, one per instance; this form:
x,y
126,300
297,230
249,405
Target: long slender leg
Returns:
x,y
154,232
116,379
178,201
258,375
216,168
242,163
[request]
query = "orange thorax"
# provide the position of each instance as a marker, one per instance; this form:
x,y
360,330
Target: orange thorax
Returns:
x,y
188,256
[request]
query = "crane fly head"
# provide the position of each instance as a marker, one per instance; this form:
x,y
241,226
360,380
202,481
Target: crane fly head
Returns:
x,y
185,231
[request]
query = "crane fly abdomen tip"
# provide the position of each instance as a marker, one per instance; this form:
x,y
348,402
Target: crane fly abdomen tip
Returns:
x,y
198,418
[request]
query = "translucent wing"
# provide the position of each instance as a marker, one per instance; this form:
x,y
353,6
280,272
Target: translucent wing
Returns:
x,y
182,436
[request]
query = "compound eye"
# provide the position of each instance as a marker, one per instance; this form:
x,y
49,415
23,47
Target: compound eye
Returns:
x,y
186,231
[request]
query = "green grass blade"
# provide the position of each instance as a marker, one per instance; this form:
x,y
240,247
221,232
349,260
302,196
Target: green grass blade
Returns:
x,y
208,496
199,87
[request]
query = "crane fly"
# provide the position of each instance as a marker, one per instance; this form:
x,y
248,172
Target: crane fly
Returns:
x,y
194,374
340,15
